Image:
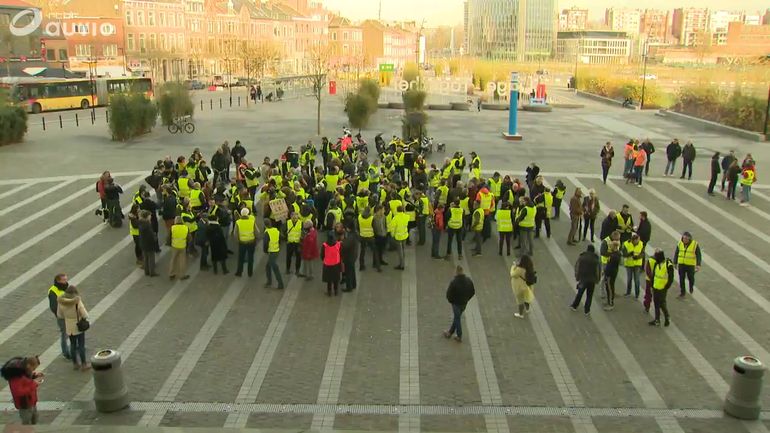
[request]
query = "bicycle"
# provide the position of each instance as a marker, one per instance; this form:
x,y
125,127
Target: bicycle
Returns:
x,y
183,123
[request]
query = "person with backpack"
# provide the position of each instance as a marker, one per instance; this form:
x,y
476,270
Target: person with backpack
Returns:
x,y
75,316
523,279
23,381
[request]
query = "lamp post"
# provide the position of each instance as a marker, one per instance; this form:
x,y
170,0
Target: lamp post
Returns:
x,y
644,73
767,113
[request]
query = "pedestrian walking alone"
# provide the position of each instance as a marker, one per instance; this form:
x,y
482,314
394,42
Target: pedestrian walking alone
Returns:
x,y
458,294
715,170
75,315
587,273
523,279
688,157
687,258
673,152
607,153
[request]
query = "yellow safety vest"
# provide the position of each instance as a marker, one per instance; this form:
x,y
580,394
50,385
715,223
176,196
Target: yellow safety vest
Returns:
x,y
455,218
394,204
434,179
504,224
443,194
624,225
425,205
192,226
246,229
495,187
337,212
362,185
480,223
529,218
254,181
560,193
195,198
179,234
273,240
361,203
687,254
749,179
606,259
184,187
374,175
464,205
660,275
548,199
331,182
633,250
293,231
133,231
55,290
365,227
486,201
447,172
401,227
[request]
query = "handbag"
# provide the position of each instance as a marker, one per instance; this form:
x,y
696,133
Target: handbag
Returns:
x,y
83,323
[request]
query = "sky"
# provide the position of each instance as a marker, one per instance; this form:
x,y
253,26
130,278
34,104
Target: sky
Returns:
x,y
449,12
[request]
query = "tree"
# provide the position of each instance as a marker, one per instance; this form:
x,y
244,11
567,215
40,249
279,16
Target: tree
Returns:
x,y
174,102
319,63
258,59
361,105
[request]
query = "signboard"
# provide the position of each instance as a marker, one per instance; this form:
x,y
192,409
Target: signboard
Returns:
x,y
387,67
514,81
278,209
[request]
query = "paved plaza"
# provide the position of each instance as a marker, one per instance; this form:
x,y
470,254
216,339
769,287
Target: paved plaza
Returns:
x,y
219,351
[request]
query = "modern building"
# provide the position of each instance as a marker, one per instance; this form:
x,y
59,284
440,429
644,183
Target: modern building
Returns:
x,y
573,19
512,29
748,40
690,26
655,26
392,44
623,20
466,22
718,22
594,47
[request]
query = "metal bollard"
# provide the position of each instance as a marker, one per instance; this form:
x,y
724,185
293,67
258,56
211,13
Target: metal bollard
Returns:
x,y
107,115
77,123
743,398
110,391
239,101
201,104
220,102
43,122
61,125
211,104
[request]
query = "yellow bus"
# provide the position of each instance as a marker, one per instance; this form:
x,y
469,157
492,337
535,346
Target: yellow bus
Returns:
x,y
38,95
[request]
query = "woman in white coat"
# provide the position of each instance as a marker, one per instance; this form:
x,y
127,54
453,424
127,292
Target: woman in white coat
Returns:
x,y
523,278
72,310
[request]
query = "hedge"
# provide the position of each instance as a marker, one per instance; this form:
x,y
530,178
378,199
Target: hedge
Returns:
x,y
174,102
620,89
734,109
131,116
13,124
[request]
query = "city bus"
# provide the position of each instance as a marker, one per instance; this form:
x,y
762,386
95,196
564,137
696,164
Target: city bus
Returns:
x,y
38,95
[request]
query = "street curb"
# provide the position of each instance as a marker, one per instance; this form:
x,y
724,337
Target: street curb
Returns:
x,y
709,125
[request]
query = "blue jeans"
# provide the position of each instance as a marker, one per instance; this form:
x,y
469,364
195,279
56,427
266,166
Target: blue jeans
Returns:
x,y
746,192
246,256
78,347
65,350
272,268
632,274
457,326
628,167
638,173
670,167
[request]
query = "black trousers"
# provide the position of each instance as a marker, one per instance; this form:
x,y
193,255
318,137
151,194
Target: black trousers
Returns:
x,y
588,222
293,251
687,167
349,275
540,219
688,272
368,243
588,289
505,237
605,172
421,229
458,235
380,242
713,182
659,298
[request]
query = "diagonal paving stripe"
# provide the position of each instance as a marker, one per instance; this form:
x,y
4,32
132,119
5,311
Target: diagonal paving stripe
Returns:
x,y
186,364
409,366
255,376
19,188
57,227
45,263
331,381
489,387
37,196
69,416
69,178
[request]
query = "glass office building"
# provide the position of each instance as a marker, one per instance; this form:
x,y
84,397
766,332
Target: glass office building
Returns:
x,y
512,29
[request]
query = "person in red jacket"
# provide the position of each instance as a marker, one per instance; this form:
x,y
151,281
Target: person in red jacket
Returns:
x,y
309,249
23,388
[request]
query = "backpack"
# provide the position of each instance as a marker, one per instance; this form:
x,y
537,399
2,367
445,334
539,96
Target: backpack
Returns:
x,y
13,368
531,278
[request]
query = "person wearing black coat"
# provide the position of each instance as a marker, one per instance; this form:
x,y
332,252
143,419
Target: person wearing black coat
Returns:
x,y
727,160
349,255
219,166
644,230
649,149
688,156
716,168
168,210
459,293
237,153
609,225
217,246
673,151
588,270
148,242
533,171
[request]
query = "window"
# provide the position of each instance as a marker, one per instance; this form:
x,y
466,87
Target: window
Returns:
x,y
82,50
172,42
63,54
163,44
140,18
153,41
110,50
171,22
50,55
150,18
180,41
344,36
162,19
129,18
142,46
180,20
130,41
334,36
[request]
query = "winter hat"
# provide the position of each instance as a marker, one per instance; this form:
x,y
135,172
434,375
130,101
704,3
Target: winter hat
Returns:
x,y
245,212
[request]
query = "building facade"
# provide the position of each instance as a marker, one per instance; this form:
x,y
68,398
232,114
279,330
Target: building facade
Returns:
x,y
655,26
392,44
718,22
573,19
623,20
594,47
346,42
689,26
512,29
748,40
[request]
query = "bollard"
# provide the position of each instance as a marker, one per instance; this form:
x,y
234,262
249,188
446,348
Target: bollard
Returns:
x,y
211,104
61,125
220,102
43,122
201,104
743,398
93,116
77,123
110,391
107,115
239,101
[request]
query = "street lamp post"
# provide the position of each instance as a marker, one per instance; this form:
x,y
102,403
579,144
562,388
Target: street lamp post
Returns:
x,y
767,113
644,74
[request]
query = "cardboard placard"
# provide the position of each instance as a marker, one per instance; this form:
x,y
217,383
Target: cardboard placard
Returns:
x,y
278,209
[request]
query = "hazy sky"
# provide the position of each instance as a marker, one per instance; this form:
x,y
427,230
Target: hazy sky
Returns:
x,y
437,12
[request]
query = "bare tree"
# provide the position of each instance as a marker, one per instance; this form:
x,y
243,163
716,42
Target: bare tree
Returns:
x,y
259,58
318,65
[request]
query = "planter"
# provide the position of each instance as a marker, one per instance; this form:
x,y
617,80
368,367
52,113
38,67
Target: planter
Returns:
x,y
382,105
441,107
565,105
396,105
537,108
461,106
495,107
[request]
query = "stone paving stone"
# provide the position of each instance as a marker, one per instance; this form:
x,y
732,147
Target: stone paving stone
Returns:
x,y
452,423
36,206
372,365
626,425
718,425
447,375
381,423
220,372
540,424
517,355
155,358
12,417
282,421
125,417
188,419
295,374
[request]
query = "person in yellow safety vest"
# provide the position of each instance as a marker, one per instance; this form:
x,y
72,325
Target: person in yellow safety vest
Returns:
x,y
496,186
400,164
180,236
394,203
183,185
424,211
139,194
625,223
455,230
475,168
504,218
293,237
447,170
363,183
190,168
434,180
558,194
662,275
60,284
748,177
246,231
133,230
383,196
477,226
362,200
442,194
366,234
487,204
458,163
332,179
687,258
373,175
333,215
605,246
252,178
196,198
525,221
400,225
189,220
404,192
633,251
544,203
272,247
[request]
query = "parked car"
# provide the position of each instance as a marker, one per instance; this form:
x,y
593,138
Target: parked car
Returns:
x,y
194,85
649,77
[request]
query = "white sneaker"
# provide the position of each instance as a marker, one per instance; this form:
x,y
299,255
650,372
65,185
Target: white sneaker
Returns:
x,y
518,316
